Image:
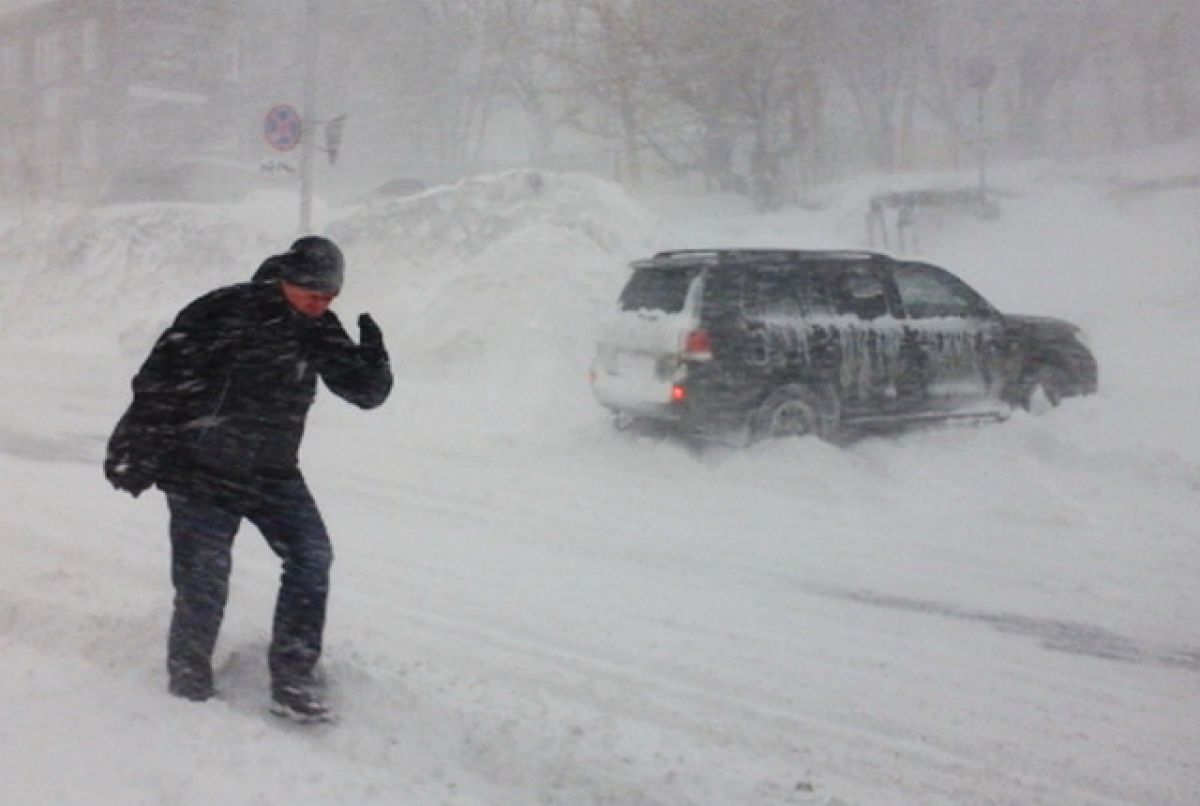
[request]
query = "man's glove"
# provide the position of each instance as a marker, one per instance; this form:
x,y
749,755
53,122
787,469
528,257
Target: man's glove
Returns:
x,y
125,474
370,340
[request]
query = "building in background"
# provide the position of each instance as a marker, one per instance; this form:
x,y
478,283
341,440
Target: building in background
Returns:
x,y
116,97
130,100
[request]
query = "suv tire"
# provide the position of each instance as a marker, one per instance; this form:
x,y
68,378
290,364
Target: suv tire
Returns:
x,y
796,410
1046,385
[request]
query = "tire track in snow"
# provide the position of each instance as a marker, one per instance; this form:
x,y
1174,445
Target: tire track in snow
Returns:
x,y
1054,634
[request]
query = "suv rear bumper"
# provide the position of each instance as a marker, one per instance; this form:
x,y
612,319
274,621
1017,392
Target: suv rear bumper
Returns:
x,y
636,397
699,407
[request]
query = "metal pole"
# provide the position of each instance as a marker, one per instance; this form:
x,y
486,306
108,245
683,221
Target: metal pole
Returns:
x,y
310,116
982,152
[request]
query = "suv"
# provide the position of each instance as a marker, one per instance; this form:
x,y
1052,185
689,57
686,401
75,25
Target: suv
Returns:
x,y
754,343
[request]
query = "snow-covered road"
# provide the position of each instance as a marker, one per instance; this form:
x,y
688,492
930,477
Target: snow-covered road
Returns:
x,y
530,608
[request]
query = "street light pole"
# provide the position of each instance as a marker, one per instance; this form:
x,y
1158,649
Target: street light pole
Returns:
x,y
980,71
310,116
982,135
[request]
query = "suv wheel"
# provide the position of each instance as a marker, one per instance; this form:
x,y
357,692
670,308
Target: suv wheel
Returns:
x,y
796,411
1046,387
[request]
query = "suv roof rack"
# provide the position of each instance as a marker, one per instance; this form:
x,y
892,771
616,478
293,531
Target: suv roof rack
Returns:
x,y
713,257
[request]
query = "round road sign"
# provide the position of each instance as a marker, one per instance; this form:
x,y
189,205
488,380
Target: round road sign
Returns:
x,y
283,127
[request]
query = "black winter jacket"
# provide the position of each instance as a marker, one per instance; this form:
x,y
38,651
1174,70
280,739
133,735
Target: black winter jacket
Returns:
x,y
220,404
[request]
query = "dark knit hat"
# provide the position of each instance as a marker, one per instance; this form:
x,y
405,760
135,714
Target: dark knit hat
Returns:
x,y
314,263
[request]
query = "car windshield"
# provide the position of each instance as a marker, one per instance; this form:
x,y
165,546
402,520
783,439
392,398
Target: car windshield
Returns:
x,y
658,289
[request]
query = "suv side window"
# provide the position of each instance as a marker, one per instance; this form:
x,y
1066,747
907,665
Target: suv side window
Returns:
x,y
927,292
767,293
860,292
783,292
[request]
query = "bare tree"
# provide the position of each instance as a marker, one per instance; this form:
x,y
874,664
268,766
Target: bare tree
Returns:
x,y
724,65
523,44
607,74
412,79
1166,48
954,41
721,89
1047,45
760,96
875,49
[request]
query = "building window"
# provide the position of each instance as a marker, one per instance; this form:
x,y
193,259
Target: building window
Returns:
x,y
10,64
51,104
91,46
231,64
8,156
47,57
88,154
44,148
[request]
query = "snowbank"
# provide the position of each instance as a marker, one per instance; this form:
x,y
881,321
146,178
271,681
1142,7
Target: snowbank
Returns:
x,y
459,222
74,274
548,250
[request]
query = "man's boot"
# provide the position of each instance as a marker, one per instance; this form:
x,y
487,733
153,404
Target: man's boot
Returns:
x,y
299,702
189,682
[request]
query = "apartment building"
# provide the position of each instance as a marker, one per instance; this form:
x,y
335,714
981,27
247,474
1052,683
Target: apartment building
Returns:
x,y
92,90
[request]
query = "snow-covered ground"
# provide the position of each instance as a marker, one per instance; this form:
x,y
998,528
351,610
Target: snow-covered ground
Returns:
x,y
530,608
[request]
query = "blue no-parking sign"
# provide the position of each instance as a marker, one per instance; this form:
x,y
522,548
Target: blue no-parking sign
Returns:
x,y
283,127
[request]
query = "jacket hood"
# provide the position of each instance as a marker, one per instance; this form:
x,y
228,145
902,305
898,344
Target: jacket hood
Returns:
x,y
270,270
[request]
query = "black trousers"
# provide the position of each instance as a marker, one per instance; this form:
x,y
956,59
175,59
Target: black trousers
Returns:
x,y
201,559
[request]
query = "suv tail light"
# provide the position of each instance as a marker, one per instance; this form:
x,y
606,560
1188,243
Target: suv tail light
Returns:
x,y
697,346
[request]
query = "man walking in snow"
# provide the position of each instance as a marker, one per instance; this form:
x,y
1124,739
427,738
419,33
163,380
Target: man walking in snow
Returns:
x,y
217,417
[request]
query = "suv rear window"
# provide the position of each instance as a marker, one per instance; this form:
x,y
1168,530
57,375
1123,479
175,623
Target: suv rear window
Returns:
x,y
658,289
